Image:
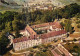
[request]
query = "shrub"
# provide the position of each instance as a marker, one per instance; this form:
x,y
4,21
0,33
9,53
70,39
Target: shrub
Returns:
x,y
75,46
74,40
78,22
78,26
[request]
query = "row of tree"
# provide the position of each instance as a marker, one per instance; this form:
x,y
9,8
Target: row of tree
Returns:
x,y
67,26
67,12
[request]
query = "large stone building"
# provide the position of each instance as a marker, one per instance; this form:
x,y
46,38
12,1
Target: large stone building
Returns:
x,y
39,34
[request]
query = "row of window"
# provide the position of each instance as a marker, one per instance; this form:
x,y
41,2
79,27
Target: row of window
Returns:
x,y
23,46
52,38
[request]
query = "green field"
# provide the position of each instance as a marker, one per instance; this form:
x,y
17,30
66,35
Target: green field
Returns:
x,y
3,9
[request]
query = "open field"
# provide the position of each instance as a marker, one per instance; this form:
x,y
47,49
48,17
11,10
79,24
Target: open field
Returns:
x,y
4,8
62,1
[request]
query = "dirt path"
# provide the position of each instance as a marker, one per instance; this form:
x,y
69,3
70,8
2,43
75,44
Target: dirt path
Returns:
x,y
19,53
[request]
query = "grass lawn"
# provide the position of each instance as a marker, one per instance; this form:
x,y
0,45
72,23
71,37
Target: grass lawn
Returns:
x,y
3,9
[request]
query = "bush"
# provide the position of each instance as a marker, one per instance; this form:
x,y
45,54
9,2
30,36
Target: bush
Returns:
x,y
44,50
78,26
31,54
74,40
64,40
35,47
75,46
78,22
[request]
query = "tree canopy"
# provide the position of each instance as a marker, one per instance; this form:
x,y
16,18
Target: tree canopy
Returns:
x,y
4,41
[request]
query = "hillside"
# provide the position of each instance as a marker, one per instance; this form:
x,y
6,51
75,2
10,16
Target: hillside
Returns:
x,y
13,4
9,7
54,1
69,1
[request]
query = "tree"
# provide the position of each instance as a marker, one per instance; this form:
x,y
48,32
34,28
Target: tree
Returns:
x,y
75,46
62,24
78,15
6,17
4,41
20,21
78,25
37,18
74,39
78,22
9,16
8,26
2,26
31,54
17,34
28,18
15,25
43,19
68,26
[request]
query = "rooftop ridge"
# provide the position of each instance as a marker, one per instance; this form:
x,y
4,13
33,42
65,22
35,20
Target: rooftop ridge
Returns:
x,y
30,30
43,36
25,38
44,24
52,34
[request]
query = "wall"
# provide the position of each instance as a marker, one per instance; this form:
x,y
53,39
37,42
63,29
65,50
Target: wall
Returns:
x,y
26,44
